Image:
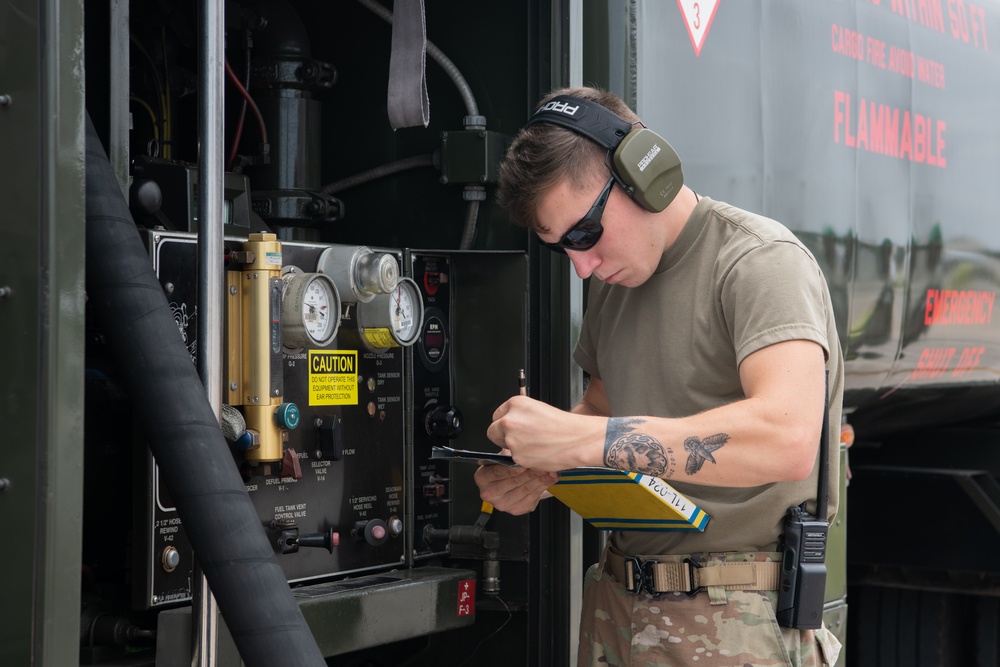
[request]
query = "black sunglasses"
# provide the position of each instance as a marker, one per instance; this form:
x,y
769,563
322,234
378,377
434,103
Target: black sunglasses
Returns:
x,y
585,234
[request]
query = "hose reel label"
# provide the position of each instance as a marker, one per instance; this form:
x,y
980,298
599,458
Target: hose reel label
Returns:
x,y
333,377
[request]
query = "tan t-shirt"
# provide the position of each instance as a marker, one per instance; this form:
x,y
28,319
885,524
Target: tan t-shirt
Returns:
x,y
731,284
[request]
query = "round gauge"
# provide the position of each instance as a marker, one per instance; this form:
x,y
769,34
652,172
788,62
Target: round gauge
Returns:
x,y
393,319
310,310
405,311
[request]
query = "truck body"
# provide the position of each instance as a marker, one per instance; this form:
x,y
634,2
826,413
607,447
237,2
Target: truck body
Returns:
x,y
289,206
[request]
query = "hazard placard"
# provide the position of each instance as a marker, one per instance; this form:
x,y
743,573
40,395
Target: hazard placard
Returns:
x,y
698,15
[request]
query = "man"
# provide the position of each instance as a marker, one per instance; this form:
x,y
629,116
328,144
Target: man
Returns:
x,y
709,340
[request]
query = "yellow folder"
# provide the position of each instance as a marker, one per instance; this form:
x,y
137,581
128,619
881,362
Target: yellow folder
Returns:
x,y
616,500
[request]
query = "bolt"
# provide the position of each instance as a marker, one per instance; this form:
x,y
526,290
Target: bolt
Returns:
x,y
6,100
233,385
5,292
169,288
4,483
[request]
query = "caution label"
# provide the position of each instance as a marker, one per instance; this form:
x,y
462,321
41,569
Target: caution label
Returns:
x,y
379,338
333,377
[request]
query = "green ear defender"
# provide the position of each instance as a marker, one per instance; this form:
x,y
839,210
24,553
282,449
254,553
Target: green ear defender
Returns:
x,y
645,164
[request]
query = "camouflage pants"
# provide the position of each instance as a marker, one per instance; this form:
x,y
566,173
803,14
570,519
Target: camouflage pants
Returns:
x,y
738,629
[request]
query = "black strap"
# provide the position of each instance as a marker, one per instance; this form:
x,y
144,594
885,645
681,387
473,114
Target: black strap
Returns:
x,y
591,120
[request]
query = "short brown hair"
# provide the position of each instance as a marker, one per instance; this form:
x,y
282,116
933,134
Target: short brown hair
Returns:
x,y
542,155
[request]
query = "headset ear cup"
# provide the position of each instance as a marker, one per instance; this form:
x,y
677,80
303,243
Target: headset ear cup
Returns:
x,y
648,164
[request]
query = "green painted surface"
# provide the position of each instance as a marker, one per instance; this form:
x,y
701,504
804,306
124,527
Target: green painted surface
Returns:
x,y
41,330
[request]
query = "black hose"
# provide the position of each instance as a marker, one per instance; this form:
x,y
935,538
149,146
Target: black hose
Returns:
x,y
184,434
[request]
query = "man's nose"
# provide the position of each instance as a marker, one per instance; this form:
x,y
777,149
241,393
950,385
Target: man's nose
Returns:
x,y
584,261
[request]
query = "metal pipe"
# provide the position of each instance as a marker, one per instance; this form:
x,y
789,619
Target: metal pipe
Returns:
x,y
118,89
211,299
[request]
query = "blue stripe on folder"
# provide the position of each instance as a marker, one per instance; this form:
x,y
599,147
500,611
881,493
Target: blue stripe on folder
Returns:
x,y
609,523
596,480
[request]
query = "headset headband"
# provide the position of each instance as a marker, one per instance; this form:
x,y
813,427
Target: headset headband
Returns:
x,y
592,120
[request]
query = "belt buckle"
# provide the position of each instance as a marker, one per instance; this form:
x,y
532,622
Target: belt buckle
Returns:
x,y
638,574
694,589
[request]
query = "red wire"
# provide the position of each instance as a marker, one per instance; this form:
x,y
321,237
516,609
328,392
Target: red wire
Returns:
x,y
237,135
253,105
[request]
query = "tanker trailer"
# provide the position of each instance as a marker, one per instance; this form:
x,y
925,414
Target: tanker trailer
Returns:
x,y
870,129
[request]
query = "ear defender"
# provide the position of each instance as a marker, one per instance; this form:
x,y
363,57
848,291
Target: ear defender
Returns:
x,y
651,168
643,161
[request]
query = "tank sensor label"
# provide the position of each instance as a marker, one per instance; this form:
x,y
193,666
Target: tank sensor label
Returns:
x,y
333,377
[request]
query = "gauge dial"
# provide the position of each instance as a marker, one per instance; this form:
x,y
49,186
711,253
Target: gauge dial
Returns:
x,y
393,319
310,310
404,312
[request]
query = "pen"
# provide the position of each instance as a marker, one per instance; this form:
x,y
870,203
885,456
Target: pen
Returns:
x,y
522,382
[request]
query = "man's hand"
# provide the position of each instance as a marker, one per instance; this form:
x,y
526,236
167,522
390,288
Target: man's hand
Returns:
x,y
513,490
541,437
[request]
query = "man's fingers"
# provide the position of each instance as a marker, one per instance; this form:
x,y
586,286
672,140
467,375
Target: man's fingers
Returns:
x,y
513,490
495,434
501,411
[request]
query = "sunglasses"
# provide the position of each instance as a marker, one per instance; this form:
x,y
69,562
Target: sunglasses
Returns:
x,y
585,234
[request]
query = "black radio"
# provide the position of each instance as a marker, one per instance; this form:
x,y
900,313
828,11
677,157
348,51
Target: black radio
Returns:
x,y
803,571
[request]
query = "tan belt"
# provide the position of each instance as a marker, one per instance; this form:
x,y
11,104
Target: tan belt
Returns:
x,y
688,576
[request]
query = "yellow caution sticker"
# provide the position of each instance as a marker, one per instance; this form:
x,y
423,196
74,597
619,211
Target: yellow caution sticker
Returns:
x,y
333,377
379,338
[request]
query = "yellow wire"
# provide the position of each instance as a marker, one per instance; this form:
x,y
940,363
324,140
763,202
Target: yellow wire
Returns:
x,y
152,115
159,89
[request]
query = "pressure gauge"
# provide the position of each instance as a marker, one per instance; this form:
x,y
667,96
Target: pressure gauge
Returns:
x,y
393,319
310,310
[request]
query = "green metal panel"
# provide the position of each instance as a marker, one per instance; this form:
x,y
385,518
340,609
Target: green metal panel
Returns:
x,y
349,615
41,330
836,561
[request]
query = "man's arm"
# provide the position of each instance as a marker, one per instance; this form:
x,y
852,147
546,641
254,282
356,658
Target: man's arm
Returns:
x,y
772,435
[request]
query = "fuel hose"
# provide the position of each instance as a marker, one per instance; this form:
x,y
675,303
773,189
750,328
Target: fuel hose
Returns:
x,y
183,433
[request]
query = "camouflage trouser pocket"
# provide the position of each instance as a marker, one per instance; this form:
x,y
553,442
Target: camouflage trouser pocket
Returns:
x,y
672,630
829,646
809,648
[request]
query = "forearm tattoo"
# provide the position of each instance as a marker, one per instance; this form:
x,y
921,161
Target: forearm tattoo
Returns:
x,y
700,450
626,449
